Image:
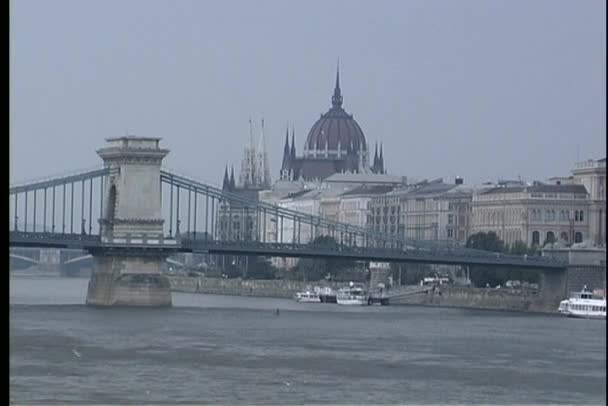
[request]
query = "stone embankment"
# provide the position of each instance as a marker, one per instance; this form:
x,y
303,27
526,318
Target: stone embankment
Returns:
x,y
480,298
242,287
476,298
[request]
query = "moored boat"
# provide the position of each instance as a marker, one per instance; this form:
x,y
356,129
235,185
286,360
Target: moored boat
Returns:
x,y
583,304
308,297
352,295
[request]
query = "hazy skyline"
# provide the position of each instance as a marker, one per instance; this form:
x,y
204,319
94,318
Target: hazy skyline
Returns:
x,y
478,89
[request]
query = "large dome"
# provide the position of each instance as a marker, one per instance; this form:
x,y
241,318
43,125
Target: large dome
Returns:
x,y
335,128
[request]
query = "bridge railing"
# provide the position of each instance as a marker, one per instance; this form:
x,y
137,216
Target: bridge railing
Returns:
x,y
65,204
300,225
275,224
69,205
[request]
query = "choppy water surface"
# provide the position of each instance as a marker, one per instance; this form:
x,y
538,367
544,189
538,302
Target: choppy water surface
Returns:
x,y
224,349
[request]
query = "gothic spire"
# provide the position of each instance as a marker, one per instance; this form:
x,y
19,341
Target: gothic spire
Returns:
x,y
226,182
262,167
286,151
293,144
336,99
375,165
381,160
232,182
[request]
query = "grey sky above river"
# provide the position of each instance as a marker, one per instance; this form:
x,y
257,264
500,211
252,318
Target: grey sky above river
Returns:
x,y
479,89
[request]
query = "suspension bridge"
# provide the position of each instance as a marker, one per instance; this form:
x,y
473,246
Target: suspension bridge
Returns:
x,y
130,214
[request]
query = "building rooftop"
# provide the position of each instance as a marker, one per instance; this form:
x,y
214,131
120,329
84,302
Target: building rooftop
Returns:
x,y
539,189
368,190
365,178
590,164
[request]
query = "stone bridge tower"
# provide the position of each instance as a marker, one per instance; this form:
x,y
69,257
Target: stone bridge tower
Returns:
x,y
126,272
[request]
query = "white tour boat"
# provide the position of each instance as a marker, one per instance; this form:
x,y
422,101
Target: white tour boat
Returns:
x,y
583,304
308,297
351,295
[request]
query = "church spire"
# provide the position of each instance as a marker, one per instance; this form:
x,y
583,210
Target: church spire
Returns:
x,y
286,151
336,99
293,144
381,160
232,182
375,164
226,182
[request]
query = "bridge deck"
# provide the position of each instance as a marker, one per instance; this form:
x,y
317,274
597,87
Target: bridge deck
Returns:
x,y
429,256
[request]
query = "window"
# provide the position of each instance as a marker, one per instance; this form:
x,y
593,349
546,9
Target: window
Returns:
x,y
535,214
550,236
535,238
581,216
450,219
450,233
564,236
576,215
578,237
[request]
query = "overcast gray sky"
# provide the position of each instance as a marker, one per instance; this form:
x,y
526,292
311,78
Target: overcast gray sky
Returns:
x,y
480,89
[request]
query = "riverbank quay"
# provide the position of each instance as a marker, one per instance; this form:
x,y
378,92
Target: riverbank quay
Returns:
x,y
274,288
462,297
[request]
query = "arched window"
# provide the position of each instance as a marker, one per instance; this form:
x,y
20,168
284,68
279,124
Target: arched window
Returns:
x,y
578,237
550,236
535,238
580,216
564,236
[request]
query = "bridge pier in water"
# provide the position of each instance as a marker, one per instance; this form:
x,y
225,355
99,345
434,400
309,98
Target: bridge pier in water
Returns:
x,y
128,279
131,275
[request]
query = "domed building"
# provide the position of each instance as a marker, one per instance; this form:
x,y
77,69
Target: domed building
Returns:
x,y
334,144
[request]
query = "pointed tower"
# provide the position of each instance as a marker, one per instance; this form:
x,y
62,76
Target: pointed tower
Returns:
x,y
232,185
292,156
336,99
286,165
381,161
292,153
262,168
226,182
248,163
375,164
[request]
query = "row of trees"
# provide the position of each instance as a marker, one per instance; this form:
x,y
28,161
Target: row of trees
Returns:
x,y
482,275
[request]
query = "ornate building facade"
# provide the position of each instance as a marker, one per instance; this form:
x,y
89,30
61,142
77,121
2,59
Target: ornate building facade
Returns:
x,y
334,144
424,211
533,214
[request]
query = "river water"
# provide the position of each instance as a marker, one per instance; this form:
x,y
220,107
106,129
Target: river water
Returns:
x,y
229,350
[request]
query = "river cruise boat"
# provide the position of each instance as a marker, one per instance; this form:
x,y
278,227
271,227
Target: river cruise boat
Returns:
x,y
583,304
352,295
308,297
